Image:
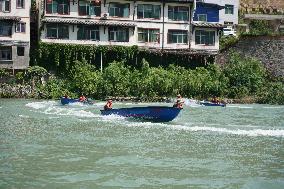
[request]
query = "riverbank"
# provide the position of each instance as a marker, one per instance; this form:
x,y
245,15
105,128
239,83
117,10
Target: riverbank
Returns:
x,y
26,92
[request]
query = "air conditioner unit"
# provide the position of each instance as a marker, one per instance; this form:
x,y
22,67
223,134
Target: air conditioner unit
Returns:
x,y
105,15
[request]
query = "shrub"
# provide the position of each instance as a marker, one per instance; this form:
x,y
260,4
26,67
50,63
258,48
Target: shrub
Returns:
x,y
84,78
228,41
272,93
246,75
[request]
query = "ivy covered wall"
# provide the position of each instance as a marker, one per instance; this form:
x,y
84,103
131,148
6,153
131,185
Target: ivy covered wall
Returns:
x,y
59,57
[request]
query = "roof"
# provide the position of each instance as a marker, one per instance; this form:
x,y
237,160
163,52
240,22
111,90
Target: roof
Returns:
x,y
211,5
89,22
207,25
13,18
170,1
13,42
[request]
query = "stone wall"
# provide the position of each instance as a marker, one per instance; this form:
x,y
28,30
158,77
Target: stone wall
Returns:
x,y
269,50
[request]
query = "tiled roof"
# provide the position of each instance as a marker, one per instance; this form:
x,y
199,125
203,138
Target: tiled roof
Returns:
x,y
14,18
88,22
207,25
188,51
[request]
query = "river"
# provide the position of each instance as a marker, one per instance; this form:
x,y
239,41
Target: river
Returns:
x,y
46,145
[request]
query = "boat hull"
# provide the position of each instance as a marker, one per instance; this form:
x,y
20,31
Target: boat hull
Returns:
x,y
151,113
212,104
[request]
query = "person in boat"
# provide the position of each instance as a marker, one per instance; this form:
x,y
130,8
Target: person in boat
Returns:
x,y
82,98
179,102
108,105
215,100
66,96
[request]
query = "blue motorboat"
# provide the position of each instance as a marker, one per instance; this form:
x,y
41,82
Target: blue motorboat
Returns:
x,y
65,101
150,113
207,103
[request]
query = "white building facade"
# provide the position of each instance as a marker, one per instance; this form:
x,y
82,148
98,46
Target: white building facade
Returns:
x,y
14,34
164,24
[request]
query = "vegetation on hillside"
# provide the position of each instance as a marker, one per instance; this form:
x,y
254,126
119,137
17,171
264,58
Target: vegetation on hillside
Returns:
x,y
240,78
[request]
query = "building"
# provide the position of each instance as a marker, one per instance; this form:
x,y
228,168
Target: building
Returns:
x,y
206,27
229,14
271,12
14,34
152,24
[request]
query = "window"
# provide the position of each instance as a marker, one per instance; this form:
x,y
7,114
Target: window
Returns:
x,y
119,9
5,53
21,27
57,6
177,36
5,5
229,9
281,30
5,28
89,8
204,37
21,51
57,31
118,34
148,35
149,11
88,33
178,13
20,3
202,17
228,23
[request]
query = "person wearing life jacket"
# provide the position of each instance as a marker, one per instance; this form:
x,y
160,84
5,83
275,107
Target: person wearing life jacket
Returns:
x,y
82,98
108,105
215,100
179,102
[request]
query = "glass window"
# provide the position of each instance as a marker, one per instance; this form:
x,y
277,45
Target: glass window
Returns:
x,y
88,33
118,34
204,37
20,3
229,9
177,36
149,11
5,53
57,6
148,35
5,5
202,17
57,31
5,28
89,8
119,9
178,13
21,51
21,27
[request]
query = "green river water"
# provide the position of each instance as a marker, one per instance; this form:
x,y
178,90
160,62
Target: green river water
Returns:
x,y
46,145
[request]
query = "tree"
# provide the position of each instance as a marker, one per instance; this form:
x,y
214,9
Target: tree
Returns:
x,y
85,78
246,75
116,79
35,73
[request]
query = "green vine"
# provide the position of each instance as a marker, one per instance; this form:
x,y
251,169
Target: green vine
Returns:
x,y
60,57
